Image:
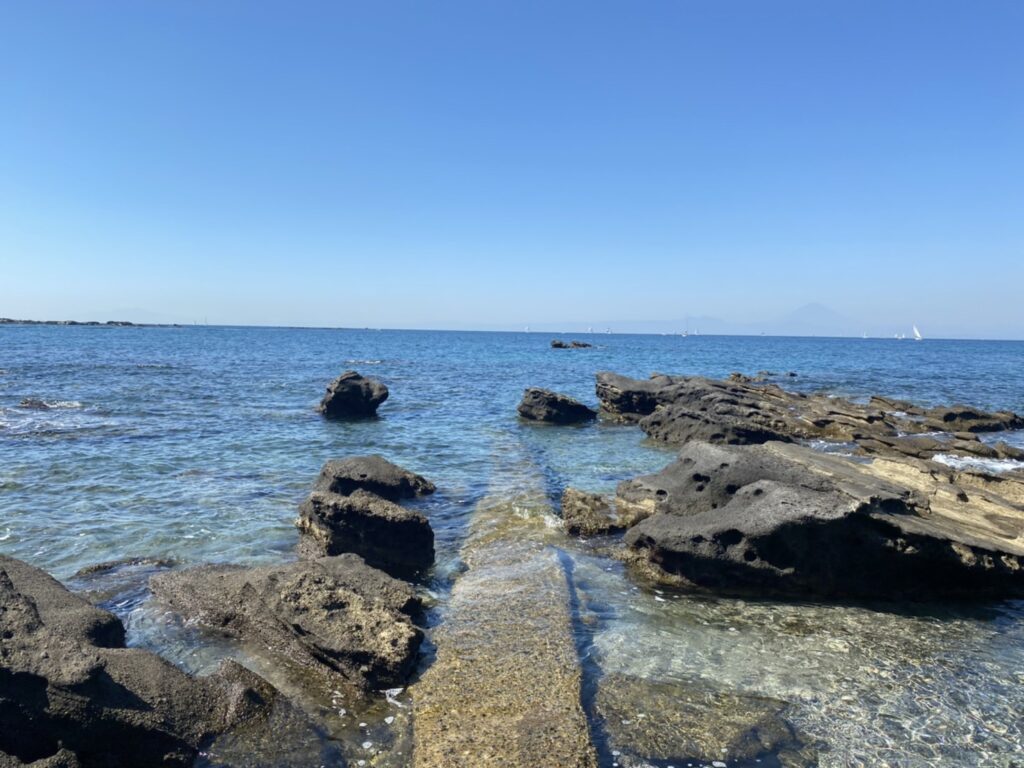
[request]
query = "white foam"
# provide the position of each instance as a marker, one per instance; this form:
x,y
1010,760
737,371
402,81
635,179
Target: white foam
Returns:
x,y
995,466
63,404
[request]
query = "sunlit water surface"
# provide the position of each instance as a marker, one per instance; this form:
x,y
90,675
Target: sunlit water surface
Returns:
x,y
197,445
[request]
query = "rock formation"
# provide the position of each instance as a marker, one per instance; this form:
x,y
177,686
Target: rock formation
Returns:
x,y
739,411
352,395
72,694
545,405
335,618
783,519
590,514
352,509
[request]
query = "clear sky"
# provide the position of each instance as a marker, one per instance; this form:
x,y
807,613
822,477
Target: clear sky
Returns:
x,y
496,164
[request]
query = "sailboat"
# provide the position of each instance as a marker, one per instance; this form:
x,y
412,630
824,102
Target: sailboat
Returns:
x,y
917,334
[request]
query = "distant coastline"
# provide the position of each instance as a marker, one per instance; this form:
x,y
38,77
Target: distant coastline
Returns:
x,y
94,323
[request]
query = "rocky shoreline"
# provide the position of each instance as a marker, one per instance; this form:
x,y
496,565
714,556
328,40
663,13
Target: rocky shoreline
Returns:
x,y
772,494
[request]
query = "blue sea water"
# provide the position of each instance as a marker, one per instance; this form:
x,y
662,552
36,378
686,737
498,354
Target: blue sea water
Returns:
x,y
198,444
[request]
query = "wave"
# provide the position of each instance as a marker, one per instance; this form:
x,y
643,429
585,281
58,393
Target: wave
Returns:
x,y
35,403
995,466
363,362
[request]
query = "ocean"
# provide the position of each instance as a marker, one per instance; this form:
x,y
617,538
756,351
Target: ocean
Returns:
x,y
198,443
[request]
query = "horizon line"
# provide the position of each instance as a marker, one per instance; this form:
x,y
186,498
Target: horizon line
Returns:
x,y
4,321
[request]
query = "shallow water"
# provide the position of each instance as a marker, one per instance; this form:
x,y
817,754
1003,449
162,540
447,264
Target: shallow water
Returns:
x,y
198,443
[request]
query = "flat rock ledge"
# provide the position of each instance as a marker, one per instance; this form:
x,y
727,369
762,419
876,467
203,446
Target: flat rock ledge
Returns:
x,y
741,411
783,519
352,509
544,405
72,694
334,619
504,690
352,396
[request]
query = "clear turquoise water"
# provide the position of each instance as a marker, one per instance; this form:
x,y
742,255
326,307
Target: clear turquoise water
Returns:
x,y
198,444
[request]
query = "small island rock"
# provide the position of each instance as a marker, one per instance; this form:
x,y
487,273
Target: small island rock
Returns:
x,y
352,395
544,405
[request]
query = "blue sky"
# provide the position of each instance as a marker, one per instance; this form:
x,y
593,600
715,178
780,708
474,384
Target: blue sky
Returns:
x,y
412,164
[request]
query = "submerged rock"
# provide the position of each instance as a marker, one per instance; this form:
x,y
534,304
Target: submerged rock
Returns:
x,y
779,519
545,405
34,403
335,618
392,538
590,514
352,395
71,693
374,474
504,690
670,722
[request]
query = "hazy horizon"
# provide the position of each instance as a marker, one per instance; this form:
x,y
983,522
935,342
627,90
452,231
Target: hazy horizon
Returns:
x,y
676,167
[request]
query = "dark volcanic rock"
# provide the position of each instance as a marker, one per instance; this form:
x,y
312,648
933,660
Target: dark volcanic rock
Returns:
x,y
558,344
629,399
397,540
545,405
677,424
374,474
352,395
744,411
780,519
335,618
580,344
71,694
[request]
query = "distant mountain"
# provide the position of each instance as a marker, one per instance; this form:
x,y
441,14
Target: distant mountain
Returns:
x,y
813,319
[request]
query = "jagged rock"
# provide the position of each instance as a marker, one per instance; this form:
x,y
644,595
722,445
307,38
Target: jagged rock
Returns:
x,y
558,344
334,618
590,514
392,538
352,509
545,405
782,519
352,395
374,474
71,694
580,344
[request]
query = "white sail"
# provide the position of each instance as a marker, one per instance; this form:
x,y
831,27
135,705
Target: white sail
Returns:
x,y
917,334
